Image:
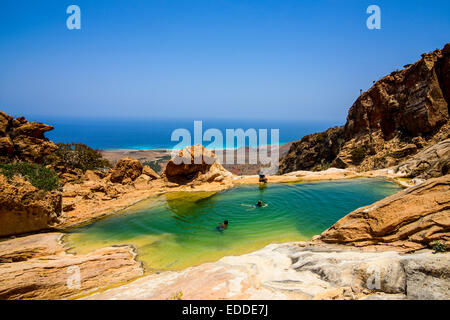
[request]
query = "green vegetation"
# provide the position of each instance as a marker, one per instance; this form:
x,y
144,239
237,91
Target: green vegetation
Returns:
x,y
321,167
78,156
152,164
156,165
177,296
38,175
438,246
358,154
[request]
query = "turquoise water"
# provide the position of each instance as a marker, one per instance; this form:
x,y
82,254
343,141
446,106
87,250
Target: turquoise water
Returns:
x,y
178,230
142,134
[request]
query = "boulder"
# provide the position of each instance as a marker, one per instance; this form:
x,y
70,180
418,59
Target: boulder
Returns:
x,y
150,172
24,208
21,140
192,163
431,162
91,175
314,151
126,171
142,181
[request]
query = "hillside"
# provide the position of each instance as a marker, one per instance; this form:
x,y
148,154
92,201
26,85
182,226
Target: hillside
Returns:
x,y
400,115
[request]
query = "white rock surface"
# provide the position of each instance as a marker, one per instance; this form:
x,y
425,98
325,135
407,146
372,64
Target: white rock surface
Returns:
x,y
299,271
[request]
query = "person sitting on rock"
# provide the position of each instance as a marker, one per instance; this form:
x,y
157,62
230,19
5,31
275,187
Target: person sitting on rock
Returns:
x,y
262,176
222,226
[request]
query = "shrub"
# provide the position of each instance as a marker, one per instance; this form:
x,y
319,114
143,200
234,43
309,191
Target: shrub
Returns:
x,y
153,164
438,246
38,175
156,164
358,154
79,156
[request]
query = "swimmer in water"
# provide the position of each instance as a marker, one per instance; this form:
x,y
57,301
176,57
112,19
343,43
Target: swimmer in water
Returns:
x,y
222,226
259,204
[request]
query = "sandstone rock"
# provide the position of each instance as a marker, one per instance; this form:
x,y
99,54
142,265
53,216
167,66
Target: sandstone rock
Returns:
x,y
69,206
21,140
5,122
142,181
314,151
126,171
410,101
400,114
69,175
37,267
24,208
432,162
427,279
91,175
410,219
192,163
405,151
150,172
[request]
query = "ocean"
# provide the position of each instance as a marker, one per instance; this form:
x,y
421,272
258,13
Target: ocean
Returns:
x,y
144,134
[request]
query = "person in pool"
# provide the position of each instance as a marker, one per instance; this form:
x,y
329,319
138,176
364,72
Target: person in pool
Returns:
x,y
222,226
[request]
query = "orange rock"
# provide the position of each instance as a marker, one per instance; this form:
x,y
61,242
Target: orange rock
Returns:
x,y
150,172
24,208
21,140
37,267
412,218
191,163
126,171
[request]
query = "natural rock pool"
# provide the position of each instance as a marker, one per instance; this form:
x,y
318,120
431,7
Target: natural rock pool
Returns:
x,y
178,230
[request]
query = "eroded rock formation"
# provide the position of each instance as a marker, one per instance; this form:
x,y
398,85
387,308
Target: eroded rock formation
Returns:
x,y
38,267
24,208
432,162
314,152
126,171
21,140
411,219
195,163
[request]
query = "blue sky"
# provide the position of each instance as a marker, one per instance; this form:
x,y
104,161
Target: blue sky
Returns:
x,y
295,60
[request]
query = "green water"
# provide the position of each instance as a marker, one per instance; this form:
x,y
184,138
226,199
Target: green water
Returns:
x,y
178,230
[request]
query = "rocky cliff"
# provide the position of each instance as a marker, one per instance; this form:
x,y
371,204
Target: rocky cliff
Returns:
x,y
21,140
314,152
23,207
397,117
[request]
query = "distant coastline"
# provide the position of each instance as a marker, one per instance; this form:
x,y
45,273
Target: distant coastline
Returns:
x,y
141,135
